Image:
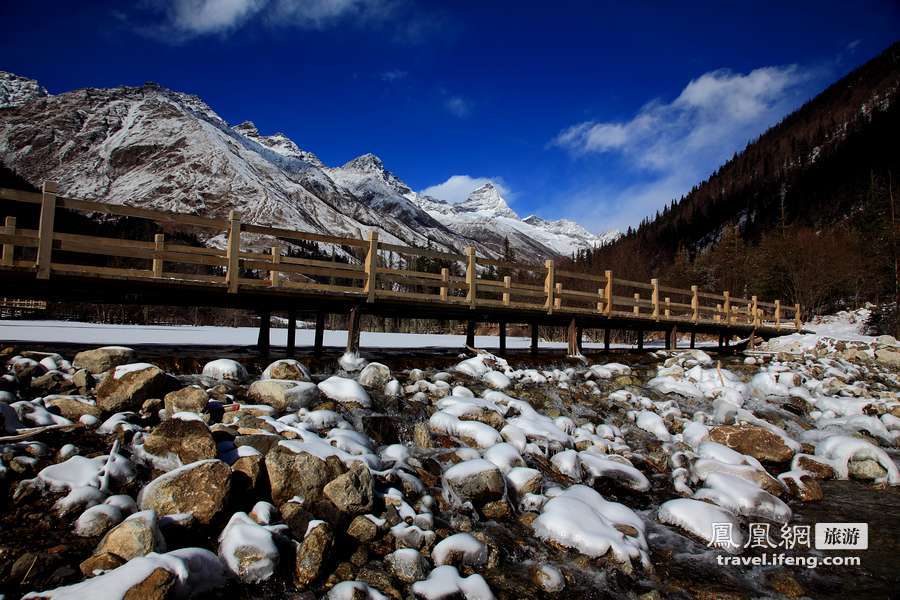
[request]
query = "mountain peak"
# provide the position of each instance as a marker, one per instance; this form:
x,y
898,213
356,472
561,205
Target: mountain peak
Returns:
x,y
16,90
247,128
368,163
487,199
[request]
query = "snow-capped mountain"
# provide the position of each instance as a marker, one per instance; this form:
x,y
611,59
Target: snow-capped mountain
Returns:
x,y
486,216
16,90
153,147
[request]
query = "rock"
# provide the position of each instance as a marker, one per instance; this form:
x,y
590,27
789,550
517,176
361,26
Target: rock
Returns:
x,y
100,360
888,356
312,553
199,489
97,520
248,549
83,380
548,578
477,481
422,435
346,391
803,487
188,399
126,387
374,376
353,492
158,585
817,469
299,473
51,382
287,368
283,394
785,584
138,535
866,469
100,562
73,407
262,442
758,442
407,565
247,469
189,440
381,428
225,369
363,529
296,517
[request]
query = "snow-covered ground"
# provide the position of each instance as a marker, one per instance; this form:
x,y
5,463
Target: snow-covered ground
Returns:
x,y
99,333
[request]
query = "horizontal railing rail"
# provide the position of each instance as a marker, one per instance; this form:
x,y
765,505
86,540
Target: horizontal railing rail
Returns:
x,y
363,268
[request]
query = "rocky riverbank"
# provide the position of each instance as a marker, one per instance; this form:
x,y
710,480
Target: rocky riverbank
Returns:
x,y
127,476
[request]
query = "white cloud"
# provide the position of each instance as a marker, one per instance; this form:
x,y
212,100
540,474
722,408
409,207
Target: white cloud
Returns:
x,y
458,106
320,14
394,75
199,17
667,147
458,187
184,19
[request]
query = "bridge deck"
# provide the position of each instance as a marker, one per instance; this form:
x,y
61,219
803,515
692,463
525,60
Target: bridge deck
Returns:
x,y
256,270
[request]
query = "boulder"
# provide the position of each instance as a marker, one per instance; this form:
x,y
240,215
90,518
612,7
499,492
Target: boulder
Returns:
x,y
816,468
199,489
283,394
158,585
100,360
353,492
189,440
84,381
407,565
225,369
477,481
296,518
248,549
866,469
52,382
374,376
125,387
299,473
363,529
188,399
288,369
138,535
312,553
73,407
888,356
248,468
758,442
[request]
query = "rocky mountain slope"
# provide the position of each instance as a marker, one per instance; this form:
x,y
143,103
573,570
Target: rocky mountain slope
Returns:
x,y
153,147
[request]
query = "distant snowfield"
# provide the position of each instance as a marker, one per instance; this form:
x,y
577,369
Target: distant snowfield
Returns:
x,y
76,332
94,333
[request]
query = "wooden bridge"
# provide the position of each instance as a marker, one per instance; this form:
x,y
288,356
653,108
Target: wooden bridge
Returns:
x,y
253,270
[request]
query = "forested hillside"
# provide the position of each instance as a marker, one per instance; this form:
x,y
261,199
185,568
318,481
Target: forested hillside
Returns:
x,y
804,213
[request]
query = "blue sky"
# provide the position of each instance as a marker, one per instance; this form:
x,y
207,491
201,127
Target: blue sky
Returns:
x,y
597,111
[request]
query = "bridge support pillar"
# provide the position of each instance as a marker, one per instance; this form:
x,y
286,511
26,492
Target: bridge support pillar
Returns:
x,y
640,339
606,339
672,338
353,331
721,340
572,335
319,339
502,335
262,342
693,339
534,338
292,333
470,334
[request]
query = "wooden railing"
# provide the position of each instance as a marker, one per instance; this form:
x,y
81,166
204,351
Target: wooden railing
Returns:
x,y
366,269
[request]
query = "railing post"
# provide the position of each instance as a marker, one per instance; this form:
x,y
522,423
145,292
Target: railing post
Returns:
x,y
45,230
600,297
637,303
372,267
9,250
159,246
276,260
654,298
668,312
445,283
233,253
750,316
778,315
609,293
797,321
557,296
755,304
695,304
718,313
471,277
507,285
550,284
726,307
